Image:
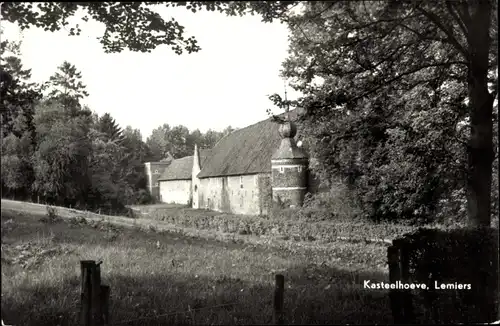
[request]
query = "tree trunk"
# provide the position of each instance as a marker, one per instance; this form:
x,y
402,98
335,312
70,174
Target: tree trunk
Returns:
x,y
480,147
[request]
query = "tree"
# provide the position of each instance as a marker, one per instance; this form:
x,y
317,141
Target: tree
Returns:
x,y
159,143
195,137
394,64
18,97
17,93
138,153
109,170
178,138
109,128
211,137
17,171
61,158
66,87
134,26
227,131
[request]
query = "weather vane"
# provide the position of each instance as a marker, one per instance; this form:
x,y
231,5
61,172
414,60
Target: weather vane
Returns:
x,y
287,105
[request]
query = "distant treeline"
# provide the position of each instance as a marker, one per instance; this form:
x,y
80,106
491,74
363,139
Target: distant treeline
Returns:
x,y
58,151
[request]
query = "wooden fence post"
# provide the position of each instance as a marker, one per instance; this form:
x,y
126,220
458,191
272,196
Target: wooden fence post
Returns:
x,y
105,294
86,267
405,277
279,300
394,276
90,311
96,296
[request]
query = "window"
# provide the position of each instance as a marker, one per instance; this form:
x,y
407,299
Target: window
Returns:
x,y
282,169
299,169
156,171
241,181
195,187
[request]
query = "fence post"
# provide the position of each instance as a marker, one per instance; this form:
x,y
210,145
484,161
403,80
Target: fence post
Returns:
x,y
90,310
105,294
96,296
395,276
405,276
279,300
86,267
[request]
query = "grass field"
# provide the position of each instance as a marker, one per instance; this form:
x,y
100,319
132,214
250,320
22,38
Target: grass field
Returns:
x,y
152,273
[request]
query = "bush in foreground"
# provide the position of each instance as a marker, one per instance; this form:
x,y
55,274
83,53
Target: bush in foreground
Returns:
x,y
460,256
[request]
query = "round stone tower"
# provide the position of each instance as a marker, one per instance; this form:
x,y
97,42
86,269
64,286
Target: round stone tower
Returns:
x,y
289,169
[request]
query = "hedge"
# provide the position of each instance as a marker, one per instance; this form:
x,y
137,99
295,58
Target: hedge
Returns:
x,y
459,256
297,225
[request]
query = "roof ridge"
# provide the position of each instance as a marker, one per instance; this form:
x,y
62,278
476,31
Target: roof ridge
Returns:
x,y
246,150
241,129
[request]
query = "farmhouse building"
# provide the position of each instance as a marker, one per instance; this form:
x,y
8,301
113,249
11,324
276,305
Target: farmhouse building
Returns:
x,y
154,170
242,174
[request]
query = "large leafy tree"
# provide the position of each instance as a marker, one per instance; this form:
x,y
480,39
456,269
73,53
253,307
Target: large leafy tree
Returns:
x,y
138,153
18,97
17,92
135,26
61,158
405,75
109,170
210,138
179,141
159,143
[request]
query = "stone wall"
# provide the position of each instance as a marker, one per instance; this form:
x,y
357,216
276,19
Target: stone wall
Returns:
x,y
175,192
231,194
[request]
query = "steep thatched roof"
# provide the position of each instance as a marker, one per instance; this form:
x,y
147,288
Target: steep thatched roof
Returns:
x,y
204,154
179,169
244,151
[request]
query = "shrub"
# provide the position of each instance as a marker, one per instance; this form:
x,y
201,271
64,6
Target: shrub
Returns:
x,y
332,204
465,256
287,223
144,197
51,215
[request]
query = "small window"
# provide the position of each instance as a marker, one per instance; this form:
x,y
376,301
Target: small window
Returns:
x,y
241,181
195,187
282,169
156,171
299,169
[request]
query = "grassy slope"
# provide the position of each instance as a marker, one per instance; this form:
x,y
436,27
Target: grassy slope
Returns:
x,y
40,277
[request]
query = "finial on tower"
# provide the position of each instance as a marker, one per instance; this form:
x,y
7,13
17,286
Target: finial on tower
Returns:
x,y
287,105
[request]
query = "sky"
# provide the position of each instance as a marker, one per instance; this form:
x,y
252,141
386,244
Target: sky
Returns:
x,y
226,83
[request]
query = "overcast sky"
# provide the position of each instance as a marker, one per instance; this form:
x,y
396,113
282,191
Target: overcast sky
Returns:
x,y
226,83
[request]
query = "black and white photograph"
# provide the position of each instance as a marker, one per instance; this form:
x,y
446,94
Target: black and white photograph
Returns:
x,y
249,163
